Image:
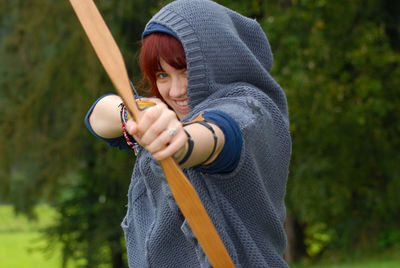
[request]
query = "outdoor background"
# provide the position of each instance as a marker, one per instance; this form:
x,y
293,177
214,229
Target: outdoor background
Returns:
x,y
63,192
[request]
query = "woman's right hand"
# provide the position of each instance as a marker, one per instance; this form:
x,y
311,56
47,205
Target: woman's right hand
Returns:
x,y
158,130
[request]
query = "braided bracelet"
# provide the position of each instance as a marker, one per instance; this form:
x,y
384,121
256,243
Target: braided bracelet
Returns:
x,y
124,116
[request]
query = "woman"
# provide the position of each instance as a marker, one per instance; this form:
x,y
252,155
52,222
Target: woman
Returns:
x,y
224,119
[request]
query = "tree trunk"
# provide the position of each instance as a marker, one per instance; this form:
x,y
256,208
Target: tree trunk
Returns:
x,y
295,236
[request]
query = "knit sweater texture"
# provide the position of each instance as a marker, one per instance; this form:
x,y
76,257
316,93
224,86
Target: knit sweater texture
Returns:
x,y
228,67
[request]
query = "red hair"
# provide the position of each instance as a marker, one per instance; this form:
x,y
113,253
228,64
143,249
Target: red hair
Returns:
x,y
156,46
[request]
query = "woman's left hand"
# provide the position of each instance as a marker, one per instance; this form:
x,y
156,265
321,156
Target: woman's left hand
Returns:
x,y
159,131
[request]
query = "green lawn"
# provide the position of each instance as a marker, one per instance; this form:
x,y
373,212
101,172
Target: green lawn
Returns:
x,y
387,259
357,264
21,240
20,243
17,249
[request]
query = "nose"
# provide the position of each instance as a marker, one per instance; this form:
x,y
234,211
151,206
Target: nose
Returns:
x,y
178,87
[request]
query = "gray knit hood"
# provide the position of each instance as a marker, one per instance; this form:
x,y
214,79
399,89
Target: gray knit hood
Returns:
x,y
223,49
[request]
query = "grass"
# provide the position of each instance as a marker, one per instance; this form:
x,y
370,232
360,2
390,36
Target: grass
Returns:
x,y
357,264
386,259
18,250
21,241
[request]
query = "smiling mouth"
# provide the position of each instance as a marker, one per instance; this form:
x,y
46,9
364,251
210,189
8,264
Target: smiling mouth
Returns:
x,y
182,103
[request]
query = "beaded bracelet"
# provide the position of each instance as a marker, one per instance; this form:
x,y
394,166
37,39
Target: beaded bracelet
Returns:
x,y
124,116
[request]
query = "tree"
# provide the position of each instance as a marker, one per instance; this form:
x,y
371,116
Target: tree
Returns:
x,y
51,78
338,62
339,65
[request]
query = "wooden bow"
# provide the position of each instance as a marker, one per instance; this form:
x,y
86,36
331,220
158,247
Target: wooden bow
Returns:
x,y
183,192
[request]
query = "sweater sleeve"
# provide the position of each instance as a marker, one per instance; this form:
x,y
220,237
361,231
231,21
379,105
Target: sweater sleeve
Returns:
x,y
229,157
118,142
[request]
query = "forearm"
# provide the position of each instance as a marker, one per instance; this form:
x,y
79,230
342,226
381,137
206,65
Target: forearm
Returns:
x,y
211,142
105,117
228,147
203,145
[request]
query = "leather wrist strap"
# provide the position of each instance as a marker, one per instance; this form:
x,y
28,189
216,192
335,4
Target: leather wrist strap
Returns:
x,y
205,124
190,148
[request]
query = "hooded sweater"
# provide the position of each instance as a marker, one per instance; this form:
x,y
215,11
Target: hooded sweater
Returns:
x,y
228,70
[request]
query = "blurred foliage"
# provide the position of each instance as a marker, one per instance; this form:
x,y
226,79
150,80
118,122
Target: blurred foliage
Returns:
x,y
338,62
50,79
317,238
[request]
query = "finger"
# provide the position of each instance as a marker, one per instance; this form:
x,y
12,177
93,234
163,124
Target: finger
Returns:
x,y
159,143
165,121
133,130
176,144
164,139
132,127
150,116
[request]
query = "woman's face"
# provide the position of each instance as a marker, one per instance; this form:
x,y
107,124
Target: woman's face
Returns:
x,y
172,85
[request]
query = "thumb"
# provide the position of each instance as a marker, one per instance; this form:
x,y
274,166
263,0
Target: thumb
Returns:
x,y
132,127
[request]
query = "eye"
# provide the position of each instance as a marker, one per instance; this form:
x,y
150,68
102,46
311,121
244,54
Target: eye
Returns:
x,y
161,75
